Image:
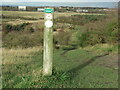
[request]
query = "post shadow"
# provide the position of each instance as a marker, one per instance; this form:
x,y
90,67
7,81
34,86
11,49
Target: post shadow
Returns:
x,y
73,72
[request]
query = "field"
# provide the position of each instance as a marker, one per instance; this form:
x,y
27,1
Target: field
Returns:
x,y
33,15
83,68
79,62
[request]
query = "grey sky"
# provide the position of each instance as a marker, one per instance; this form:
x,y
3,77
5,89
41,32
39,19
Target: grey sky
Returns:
x,y
60,0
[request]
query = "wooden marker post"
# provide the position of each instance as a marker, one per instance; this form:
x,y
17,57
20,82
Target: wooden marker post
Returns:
x,y
48,42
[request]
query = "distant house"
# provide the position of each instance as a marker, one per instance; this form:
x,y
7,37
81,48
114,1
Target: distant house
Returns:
x,y
60,7
81,10
85,10
105,9
40,9
22,8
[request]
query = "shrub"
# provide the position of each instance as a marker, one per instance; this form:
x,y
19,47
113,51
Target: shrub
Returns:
x,y
18,17
74,31
8,28
31,29
105,31
112,32
22,40
19,27
79,19
63,38
82,39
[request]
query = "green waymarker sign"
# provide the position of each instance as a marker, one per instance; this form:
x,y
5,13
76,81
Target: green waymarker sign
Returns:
x,y
48,10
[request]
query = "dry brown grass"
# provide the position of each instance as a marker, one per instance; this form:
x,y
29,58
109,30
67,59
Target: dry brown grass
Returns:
x,y
102,48
36,15
18,21
14,56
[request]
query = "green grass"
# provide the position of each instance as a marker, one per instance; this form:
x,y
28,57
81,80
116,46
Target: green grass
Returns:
x,y
88,67
78,68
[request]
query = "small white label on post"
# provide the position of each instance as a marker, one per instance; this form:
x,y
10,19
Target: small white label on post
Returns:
x,y
48,16
48,23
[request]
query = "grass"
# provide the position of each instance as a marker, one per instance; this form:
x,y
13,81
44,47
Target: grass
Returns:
x,y
79,19
89,67
36,15
79,68
10,39
0,67
33,15
18,17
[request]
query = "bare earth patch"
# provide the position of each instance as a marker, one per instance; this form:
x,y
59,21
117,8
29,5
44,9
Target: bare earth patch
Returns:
x,y
110,61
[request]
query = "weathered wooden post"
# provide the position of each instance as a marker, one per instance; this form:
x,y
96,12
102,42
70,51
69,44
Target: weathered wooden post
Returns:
x,y
48,42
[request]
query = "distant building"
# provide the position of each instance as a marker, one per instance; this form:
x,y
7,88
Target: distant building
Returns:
x,y
40,9
60,7
22,8
105,9
85,10
81,10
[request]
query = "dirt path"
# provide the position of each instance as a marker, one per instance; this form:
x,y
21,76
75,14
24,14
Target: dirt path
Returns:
x,y
110,61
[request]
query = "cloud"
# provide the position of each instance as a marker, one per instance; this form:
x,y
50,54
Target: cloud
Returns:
x,y
9,0
60,0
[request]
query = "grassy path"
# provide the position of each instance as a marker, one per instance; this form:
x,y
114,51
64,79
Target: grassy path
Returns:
x,y
80,68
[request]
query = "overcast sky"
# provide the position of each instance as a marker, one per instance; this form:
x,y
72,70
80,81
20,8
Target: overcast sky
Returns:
x,y
60,0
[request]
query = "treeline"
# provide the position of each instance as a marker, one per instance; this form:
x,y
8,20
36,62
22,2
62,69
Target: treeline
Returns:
x,y
9,8
15,8
58,9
